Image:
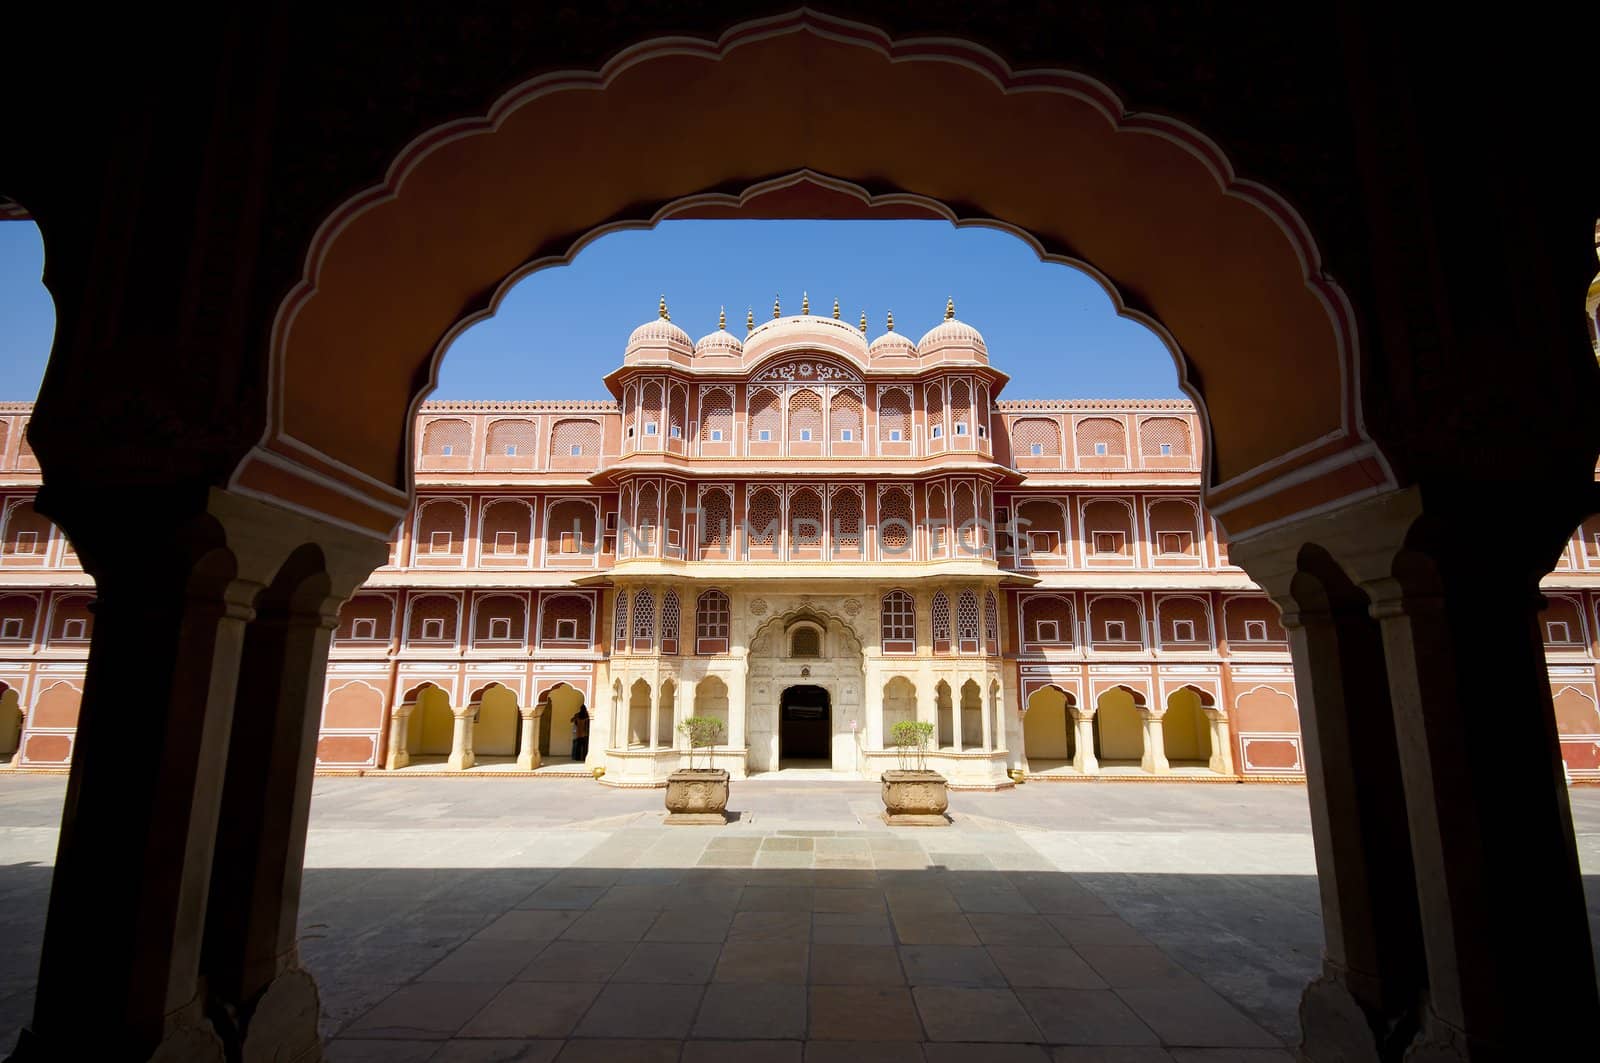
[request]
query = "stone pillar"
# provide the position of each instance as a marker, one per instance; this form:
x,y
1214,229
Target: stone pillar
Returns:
x,y
738,695
1221,742
655,715
682,709
262,1001
120,976
528,737
1084,759
460,758
399,724
955,716
1155,744
988,707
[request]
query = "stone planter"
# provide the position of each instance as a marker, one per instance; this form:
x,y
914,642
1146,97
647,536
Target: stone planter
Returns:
x,y
915,799
697,795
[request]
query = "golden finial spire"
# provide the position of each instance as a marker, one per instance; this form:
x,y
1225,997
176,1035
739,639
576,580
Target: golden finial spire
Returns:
x,y
722,319
863,322
661,310
777,311
805,303
836,308
950,308
891,321
750,319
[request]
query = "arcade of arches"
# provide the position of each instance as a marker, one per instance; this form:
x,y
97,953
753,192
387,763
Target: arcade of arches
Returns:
x,y
1357,256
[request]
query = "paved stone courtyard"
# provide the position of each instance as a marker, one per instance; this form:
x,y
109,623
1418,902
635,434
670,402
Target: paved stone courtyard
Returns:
x,y
454,920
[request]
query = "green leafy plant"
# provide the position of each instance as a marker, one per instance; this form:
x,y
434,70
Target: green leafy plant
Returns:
x,y
911,738
703,732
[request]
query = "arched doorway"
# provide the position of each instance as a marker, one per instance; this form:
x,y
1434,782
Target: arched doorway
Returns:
x,y
10,720
805,727
1186,730
561,702
431,729
1118,729
495,731
1049,739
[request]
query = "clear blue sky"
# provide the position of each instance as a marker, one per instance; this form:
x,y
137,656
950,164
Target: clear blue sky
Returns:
x,y
561,329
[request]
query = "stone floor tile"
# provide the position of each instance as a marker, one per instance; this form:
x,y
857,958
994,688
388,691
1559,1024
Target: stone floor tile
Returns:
x,y
1134,966
612,924
530,924
992,900
1111,1054
683,964
929,900
762,961
781,843
483,961
982,1053
963,1013
1194,1014
770,926
1063,899
966,965
1096,930
943,928
734,842
640,897
863,1013
496,1051
627,1010
858,864
749,1012
603,876
1013,928
691,925
863,1052
962,861
533,1009
1053,968
727,858
742,1052
865,899
553,895
608,1050
359,1050
717,896
431,1010
899,861
851,928
783,859
856,965
1085,1017
776,899
577,961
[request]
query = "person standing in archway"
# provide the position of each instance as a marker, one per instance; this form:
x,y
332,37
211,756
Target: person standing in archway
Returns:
x,y
580,734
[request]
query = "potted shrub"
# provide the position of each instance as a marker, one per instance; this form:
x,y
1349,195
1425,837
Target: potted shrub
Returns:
x,y
914,796
699,794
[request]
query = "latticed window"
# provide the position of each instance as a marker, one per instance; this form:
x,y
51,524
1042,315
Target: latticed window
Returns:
x,y
941,618
805,417
566,618
847,521
672,517
671,622
433,619
933,399
510,438
644,617
504,528
899,617
652,411
1046,618
805,642
619,629
1101,437
967,620
716,521
981,409
446,437
1034,437
964,515
648,520
574,439
961,406
716,417
1164,437
894,521
712,616
805,520
991,622
764,514
765,417
938,519
570,528
677,411
846,415
894,416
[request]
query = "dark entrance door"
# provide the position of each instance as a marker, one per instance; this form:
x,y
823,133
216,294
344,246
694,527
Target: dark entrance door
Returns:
x,y
805,725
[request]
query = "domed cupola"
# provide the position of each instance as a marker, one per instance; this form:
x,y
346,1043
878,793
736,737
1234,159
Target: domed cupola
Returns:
x,y
953,339
658,340
891,344
721,343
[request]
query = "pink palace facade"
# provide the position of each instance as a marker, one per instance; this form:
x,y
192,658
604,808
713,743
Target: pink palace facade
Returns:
x,y
809,536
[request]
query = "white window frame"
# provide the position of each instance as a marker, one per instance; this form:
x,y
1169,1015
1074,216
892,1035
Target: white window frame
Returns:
x,y
1166,450
961,428
1050,539
983,433
805,435
505,542
27,543
1117,538
575,451
1252,626
447,450
433,542
763,435
1036,450
1183,631
570,543
434,624
1184,539
364,628
75,628
567,630
502,625
1101,450
1120,627
511,450
651,428
936,432
676,431
896,436
11,627
1564,638
1054,627
716,435
847,435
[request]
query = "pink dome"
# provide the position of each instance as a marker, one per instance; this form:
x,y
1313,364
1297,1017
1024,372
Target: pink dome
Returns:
x,y
720,343
953,339
659,337
892,344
